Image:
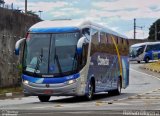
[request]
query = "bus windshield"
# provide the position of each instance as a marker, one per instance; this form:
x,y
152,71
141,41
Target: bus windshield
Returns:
x,y
136,51
53,54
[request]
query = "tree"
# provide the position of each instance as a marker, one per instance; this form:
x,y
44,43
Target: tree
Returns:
x,y
152,30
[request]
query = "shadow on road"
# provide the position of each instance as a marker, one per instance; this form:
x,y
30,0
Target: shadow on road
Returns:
x,y
83,99
142,62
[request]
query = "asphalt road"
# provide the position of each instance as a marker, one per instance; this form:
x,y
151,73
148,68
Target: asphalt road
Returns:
x,y
142,95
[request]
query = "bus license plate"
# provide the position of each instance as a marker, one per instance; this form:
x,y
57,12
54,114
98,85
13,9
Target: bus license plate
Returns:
x,y
48,92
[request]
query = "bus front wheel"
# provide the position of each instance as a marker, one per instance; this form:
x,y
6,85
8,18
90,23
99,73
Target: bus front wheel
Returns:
x,y
44,98
90,93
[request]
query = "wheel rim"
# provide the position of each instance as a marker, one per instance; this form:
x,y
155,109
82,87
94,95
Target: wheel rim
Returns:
x,y
119,87
147,60
90,91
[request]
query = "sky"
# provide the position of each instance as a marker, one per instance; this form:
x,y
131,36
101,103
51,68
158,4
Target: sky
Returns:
x,y
117,15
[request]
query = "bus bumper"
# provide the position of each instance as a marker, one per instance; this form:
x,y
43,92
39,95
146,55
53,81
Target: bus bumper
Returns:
x,y
62,89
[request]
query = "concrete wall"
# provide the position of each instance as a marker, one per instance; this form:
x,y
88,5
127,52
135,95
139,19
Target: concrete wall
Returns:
x,y
13,26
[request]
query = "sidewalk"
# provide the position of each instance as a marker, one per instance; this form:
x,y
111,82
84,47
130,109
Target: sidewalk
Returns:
x,y
11,95
10,92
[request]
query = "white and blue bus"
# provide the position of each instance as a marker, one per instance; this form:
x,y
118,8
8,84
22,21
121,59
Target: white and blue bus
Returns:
x,y
145,51
73,58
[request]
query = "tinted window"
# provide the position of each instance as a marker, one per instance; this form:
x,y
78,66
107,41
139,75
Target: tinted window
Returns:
x,y
94,41
157,47
152,47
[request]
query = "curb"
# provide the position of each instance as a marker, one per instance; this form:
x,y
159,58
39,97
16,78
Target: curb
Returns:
x,y
158,71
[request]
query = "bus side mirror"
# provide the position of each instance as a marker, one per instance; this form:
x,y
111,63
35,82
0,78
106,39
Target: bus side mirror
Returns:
x,y
80,43
17,46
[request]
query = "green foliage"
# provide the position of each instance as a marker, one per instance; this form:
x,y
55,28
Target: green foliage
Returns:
x,y
19,67
152,30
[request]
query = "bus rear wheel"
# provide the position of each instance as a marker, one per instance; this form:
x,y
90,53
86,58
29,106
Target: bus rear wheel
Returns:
x,y
147,60
118,90
44,98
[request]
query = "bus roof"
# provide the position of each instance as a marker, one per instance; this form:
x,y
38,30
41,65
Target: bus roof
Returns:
x,y
145,43
69,26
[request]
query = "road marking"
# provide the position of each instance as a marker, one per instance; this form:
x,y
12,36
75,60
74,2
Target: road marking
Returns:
x,y
145,73
42,107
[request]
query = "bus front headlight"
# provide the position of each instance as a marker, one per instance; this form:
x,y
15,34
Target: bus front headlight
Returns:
x,y
26,82
71,81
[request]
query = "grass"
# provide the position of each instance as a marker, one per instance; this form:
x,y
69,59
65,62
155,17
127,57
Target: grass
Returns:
x,y
155,66
10,89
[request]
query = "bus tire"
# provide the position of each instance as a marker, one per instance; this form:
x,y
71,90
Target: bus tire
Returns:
x,y
147,59
138,61
90,93
118,90
44,98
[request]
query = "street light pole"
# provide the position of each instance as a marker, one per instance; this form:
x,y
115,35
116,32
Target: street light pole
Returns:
x,y
134,28
40,13
25,6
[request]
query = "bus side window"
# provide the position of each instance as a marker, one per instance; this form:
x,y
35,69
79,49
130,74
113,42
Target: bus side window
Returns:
x,y
110,45
157,47
126,46
106,39
148,48
103,38
94,41
109,39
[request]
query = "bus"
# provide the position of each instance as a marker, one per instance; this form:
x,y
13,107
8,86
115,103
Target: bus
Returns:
x,y
73,58
145,51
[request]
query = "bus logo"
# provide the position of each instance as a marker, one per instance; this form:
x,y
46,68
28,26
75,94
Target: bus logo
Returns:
x,y
47,85
102,61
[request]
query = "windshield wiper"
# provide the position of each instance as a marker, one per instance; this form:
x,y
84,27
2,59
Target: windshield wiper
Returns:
x,y
58,63
39,60
37,66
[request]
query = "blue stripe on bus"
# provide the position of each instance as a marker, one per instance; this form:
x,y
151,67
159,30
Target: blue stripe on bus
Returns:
x,y
54,30
50,80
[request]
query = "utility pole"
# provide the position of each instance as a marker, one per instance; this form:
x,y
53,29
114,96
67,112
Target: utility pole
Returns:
x,y
25,6
155,31
134,28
